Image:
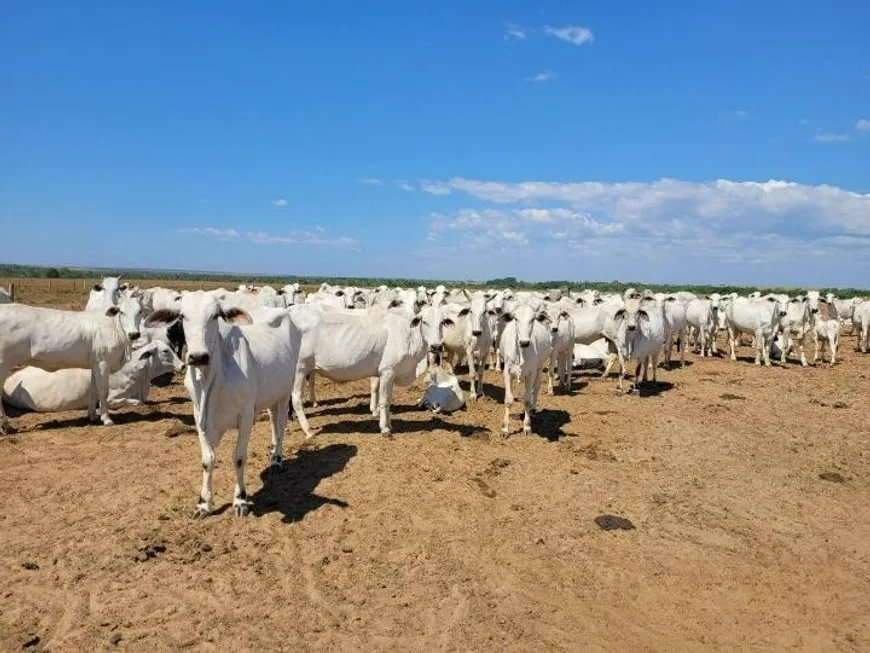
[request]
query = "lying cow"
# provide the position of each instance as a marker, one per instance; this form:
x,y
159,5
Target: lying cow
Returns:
x,y
37,390
55,340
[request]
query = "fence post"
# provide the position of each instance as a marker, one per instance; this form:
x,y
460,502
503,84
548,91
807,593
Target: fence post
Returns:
x,y
12,291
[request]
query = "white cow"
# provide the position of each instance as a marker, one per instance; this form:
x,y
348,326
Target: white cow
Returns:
x,y
105,294
827,332
794,327
641,336
164,298
841,309
54,340
861,325
442,394
702,317
349,345
525,345
673,311
235,370
467,336
37,390
759,317
562,356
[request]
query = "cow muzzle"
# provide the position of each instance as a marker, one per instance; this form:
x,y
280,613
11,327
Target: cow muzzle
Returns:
x,y
435,349
524,343
631,327
783,313
133,336
198,360
815,311
476,332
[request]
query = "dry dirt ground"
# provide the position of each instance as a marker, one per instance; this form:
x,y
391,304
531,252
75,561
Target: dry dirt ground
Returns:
x,y
747,490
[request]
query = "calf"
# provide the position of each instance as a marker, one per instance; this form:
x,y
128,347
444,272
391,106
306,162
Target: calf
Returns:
x,y
525,345
55,340
827,332
235,369
467,335
349,345
37,390
562,356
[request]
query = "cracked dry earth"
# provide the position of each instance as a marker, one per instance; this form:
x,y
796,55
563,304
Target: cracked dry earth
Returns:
x,y
725,511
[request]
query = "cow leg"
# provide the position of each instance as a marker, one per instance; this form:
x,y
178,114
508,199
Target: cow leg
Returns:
x,y
100,373
508,393
472,374
312,398
800,344
278,416
763,348
683,340
4,422
834,342
731,338
204,504
241,504
530,400
374,384
385,400
712,338
551,365
506,423
296,400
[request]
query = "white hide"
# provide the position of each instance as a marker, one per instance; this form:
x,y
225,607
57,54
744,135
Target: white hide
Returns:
x,y
35,389
759,317
54,340
641,336
105,294
442,394
234,372
827,332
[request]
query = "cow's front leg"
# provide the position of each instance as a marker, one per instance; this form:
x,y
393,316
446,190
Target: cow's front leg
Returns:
x,y
508,392
204,504
241,504
385,399
472,375
101,380
93,401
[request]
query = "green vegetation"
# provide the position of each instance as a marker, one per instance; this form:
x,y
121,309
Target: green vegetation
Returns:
x,y
30,271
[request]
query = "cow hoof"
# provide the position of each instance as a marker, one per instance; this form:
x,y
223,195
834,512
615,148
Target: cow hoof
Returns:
x,y
201,512
387,433
242,508
275,462
527,430
107,421
505,433
634,392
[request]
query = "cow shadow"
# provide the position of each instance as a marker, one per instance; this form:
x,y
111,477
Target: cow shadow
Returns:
x,y
654,389
400,427
359,409
290,490
119,418
675,364
548,424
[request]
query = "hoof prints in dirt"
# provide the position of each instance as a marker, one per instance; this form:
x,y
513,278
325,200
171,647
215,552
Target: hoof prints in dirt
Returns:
x,y
731,397
485,490
613,523
30,566
150,551
33,641
833,477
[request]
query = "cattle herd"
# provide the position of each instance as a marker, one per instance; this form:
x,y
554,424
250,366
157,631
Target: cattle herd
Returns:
x,y
256,349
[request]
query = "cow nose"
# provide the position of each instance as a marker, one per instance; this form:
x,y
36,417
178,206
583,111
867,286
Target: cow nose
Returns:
x,y
524,343
631,327
434,348
197,359
476,332
134,335
815,310
782,313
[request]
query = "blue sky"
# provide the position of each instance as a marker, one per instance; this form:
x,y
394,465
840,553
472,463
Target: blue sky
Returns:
x,y
685,142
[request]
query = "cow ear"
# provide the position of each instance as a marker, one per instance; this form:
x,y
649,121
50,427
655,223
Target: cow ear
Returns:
x,y
564,315
163,317
598,300
542,317
619,314
236,316
112,311
416,321
643,314
281,292
464,311
98,287
145,355
507,317
123,286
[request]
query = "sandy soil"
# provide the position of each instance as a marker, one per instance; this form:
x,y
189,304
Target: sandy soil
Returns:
x,y
745,491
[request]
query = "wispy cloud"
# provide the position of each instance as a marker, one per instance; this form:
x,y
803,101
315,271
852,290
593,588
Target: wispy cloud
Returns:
x,y
514,33
281,203
574,34
741,114
863,125
309,238
830,137
404,185
371,181
542,78
805,121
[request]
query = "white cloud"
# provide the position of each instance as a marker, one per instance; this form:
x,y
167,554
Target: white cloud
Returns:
x,y
371,181
651,206
280,203
404,185
863,125
741,114
315,238
542,78
514,33
827,137
573,34
805,121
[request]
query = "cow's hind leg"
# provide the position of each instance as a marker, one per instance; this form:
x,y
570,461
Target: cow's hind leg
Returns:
x,y
204,504
278,415
296,399
385,400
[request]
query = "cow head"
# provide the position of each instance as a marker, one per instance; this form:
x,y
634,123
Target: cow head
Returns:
x,y
813,299
431,322
110,290
631,313
129,314
525,317
199,314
